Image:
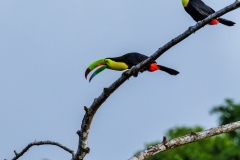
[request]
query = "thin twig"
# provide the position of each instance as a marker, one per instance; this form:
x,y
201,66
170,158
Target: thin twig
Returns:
x,y
83,148
192,137
38,143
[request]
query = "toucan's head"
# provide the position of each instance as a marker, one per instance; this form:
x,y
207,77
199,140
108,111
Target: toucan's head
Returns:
x,y
185,3
105,63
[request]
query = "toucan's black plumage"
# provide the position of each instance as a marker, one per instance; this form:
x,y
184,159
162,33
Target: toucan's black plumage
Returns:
x,y
198,10
124,62
134,58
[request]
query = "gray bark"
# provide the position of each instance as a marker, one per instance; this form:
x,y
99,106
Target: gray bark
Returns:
x,y
83,133
192,137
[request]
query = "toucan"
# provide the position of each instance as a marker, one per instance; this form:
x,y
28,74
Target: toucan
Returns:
x,y
198,10
127,61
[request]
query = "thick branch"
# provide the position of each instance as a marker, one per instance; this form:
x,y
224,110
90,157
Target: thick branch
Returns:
x,y
90,112
38,143
192,137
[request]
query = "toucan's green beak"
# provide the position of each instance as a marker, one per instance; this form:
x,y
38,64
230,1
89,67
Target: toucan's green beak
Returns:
x,y
94,65
97,71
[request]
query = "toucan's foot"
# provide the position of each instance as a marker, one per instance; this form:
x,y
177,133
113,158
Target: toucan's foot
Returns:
x,y
126,73
191,28
198,23
141,70
135,74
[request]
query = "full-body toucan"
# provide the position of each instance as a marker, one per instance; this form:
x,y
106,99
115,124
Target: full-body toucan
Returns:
x,y
198,10
124,62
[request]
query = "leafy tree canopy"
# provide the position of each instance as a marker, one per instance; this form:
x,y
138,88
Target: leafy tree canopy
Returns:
x,y
228,113
222,147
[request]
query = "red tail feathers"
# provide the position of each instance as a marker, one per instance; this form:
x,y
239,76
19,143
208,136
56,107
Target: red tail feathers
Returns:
x,y
153,67
213,22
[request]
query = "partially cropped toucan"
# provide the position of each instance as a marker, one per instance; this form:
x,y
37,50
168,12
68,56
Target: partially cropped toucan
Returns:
x,y
198,10
124,62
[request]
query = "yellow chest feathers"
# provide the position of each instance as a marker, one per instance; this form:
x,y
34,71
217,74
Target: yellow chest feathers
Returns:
x,y
116,65
185,3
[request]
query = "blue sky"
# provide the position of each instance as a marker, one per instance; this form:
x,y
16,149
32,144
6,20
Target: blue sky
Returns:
x,y
47,45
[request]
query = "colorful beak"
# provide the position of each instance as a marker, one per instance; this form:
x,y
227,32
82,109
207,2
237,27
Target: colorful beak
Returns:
x,y
94,65
97,71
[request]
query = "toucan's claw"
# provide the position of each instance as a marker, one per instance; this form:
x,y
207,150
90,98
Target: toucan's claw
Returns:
x,y
135,74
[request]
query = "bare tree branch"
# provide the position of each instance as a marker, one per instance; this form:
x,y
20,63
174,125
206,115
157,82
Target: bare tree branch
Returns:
x,y
192,137
38,143
83,148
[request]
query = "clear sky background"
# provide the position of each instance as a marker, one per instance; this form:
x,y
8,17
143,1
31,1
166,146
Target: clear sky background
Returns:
x,y
47,45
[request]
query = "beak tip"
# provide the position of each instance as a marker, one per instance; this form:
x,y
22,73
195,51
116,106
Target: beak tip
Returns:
x,y
94,65
87,72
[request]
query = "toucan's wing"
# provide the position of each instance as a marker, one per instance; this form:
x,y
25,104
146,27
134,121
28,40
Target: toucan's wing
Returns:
x,y
201,7
134,58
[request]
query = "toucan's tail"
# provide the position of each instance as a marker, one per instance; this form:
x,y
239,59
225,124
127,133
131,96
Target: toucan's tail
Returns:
x,y
168,70
226,22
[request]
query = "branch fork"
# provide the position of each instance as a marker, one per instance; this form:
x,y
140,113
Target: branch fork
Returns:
x,y
83,149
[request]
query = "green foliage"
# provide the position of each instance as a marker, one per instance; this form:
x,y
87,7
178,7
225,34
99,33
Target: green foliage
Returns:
x,y
228,113
215,148
222,147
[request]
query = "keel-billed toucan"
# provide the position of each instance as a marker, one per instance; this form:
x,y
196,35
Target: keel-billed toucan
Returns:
x,y
124,62
198,10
